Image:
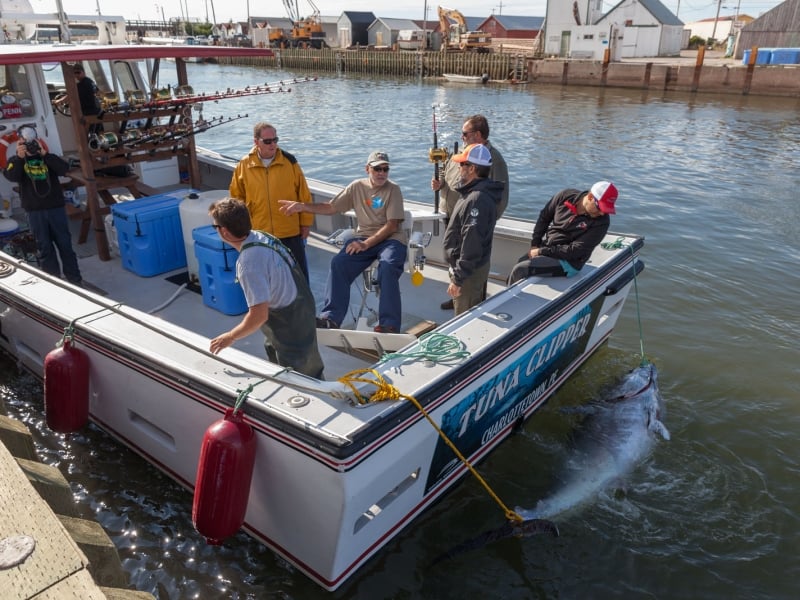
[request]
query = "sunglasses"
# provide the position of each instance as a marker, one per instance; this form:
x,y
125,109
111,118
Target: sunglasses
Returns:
x,y
217,226
381,169
466,133
465,164
268,141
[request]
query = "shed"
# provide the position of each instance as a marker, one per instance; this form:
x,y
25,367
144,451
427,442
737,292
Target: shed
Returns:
x,y
508,26
352,27
384,32
777,28
650,28
631,29
718,29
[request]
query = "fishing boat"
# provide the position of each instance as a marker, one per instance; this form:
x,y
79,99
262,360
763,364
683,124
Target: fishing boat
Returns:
x,y
457,78
337,473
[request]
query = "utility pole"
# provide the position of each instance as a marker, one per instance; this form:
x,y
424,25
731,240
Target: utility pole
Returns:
x,y
716,19
425,25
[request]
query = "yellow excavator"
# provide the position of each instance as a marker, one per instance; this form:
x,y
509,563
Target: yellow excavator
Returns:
x,y
456,34
306,32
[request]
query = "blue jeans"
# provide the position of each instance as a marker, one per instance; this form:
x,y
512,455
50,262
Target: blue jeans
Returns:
x,y
346,267
50,228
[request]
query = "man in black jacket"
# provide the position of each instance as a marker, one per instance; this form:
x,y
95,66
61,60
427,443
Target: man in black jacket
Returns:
x,y
468,237
36,171
569,227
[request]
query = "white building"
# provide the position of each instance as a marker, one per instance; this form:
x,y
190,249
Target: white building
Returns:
x,y
631,29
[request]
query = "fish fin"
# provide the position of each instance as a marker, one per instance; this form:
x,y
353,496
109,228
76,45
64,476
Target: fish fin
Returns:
x,y
525,528
531,527
658,427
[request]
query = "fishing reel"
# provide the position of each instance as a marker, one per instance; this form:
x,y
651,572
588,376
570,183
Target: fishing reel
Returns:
x,y
436,155
108,100
103,141
131,135
183,91
135,97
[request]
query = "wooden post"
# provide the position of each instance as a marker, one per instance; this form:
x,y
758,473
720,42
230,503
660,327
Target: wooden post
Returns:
x,y
751,66
698,68
191,151
81,129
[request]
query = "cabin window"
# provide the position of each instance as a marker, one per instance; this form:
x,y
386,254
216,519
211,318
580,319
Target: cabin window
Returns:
x,y
16,100
588,36
123,73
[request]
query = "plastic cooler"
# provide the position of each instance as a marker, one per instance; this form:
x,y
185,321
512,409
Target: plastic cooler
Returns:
x,y
193,210
217,272
149,234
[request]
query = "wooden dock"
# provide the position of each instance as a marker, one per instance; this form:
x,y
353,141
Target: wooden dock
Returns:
x,y
46,550
656,74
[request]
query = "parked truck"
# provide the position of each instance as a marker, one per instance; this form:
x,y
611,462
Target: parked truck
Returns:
x,y
457,36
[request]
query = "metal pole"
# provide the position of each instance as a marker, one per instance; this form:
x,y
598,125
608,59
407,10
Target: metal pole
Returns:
x,y
425,26
714,31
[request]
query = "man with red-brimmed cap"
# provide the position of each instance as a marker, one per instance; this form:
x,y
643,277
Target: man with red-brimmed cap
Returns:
x,y
569,227
468,238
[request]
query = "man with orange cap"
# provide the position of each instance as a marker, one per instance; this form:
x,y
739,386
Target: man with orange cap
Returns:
x,y
569,227
468,238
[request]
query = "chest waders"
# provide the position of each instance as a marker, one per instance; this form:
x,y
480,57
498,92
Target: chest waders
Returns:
x,y
291,331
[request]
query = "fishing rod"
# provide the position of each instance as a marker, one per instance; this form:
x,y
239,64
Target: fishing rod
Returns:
x,y
133,137
436,155
180,132
185,95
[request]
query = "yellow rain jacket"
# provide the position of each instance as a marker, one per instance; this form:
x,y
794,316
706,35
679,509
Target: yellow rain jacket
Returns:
x,y
261,187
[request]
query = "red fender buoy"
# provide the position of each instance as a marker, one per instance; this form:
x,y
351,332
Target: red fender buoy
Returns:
x,y
224,472
66,388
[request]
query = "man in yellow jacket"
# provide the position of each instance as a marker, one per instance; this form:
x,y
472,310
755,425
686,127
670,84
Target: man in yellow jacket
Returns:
x,y
268,174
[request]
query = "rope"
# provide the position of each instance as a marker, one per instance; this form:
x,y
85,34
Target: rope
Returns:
x,y
616,245
69,330
386,391
243,394
434,347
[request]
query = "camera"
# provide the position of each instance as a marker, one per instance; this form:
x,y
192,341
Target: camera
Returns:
x,y
32,147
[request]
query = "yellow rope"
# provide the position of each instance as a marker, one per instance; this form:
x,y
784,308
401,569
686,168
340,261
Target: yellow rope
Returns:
x,y
386,391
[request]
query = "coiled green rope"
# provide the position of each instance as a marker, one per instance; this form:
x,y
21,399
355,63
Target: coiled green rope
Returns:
x,y
434,347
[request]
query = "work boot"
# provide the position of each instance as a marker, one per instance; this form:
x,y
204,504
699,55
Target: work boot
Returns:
x,y
447,304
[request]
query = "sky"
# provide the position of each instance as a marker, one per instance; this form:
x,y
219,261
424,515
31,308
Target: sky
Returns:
x,y
237,10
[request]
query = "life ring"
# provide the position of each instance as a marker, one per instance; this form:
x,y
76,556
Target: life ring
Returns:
x,y
12,138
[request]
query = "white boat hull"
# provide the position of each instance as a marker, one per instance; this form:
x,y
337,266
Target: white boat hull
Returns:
x,y
334,481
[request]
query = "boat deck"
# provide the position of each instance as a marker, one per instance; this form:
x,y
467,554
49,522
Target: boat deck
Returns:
x,y
183,306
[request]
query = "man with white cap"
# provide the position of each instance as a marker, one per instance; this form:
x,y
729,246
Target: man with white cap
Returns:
x,y
569,227
468,237
378,204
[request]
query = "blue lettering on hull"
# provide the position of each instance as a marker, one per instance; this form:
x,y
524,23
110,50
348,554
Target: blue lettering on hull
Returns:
x,y
500,401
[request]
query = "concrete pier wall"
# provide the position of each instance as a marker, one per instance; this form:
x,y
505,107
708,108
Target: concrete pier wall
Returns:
x,y
774,80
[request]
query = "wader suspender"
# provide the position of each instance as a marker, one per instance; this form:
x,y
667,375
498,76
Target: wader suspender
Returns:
x,y
275,245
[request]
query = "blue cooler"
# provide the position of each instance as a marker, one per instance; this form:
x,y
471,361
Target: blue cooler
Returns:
x,y
217,272
149,234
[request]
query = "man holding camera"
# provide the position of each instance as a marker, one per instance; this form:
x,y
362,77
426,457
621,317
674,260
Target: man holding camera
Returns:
x,y
36,172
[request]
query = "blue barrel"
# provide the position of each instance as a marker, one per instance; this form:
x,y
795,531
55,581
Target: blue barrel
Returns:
x,y
785,56
746,57
764,56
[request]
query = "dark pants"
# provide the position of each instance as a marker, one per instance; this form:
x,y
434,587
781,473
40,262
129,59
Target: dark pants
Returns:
x,y
291,332
51,230
538,265
296,244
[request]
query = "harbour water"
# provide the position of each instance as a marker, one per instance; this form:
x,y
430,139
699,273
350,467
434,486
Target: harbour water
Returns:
x,y
711,182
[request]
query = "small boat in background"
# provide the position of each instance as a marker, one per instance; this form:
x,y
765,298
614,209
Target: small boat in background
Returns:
x,y
456,78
